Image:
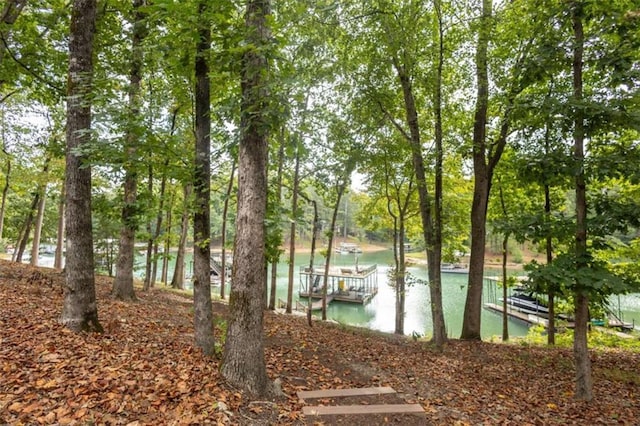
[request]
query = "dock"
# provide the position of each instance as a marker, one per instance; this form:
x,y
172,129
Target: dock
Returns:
x,y
317,304
536,320
301,306
522,316
345,284
215,265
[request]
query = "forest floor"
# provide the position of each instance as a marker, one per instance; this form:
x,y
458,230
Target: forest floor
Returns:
x,y
143,370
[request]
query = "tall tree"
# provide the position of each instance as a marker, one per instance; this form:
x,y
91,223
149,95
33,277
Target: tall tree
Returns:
x,y
123,282
399,35
584,384
482,181
80,311
399,191
435,274
244,363
487,151
203,315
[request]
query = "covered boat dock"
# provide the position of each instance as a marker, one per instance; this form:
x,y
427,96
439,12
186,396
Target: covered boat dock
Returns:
x,y
355,285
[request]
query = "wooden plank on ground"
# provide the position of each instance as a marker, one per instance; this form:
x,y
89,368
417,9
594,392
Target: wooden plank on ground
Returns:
x,y
336,393
362,409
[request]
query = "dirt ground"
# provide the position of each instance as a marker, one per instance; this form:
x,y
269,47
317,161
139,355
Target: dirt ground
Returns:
x,y
143,370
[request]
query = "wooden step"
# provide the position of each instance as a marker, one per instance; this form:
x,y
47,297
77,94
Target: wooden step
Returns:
x,y
362,409
336,393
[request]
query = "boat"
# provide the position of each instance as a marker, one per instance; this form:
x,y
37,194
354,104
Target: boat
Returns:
x,y
347,248
527,304
453,268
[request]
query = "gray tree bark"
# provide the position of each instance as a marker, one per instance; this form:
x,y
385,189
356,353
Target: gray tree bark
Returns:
x,y
481,184
123,282
203,311
435,274
584,382
79,312
244,364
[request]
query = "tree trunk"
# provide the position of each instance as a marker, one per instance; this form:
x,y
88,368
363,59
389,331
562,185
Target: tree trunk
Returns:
x,y
5,191
473,304
292,231
167,239
584,385
159,216
433,258
178,272
26,230
203,311
80,311
505,282
225,213
551,329
37,208
147,284
274,265
327,264
57,262
435,279
400,278
123,283
37,230
505,317
314,233
244,364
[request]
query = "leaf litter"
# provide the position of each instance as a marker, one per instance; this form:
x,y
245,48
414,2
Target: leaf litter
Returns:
x,y
144,370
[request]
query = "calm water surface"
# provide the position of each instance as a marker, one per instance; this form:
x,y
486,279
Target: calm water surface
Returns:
x,y
379,313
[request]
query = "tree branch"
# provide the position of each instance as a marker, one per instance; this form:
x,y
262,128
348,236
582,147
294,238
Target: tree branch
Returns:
x,y
58,89
393,121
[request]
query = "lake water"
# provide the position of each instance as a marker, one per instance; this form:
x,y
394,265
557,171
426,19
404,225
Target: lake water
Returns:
x,y
379,313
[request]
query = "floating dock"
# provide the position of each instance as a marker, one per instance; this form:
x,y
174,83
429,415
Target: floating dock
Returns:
x,y
514,313
345,284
